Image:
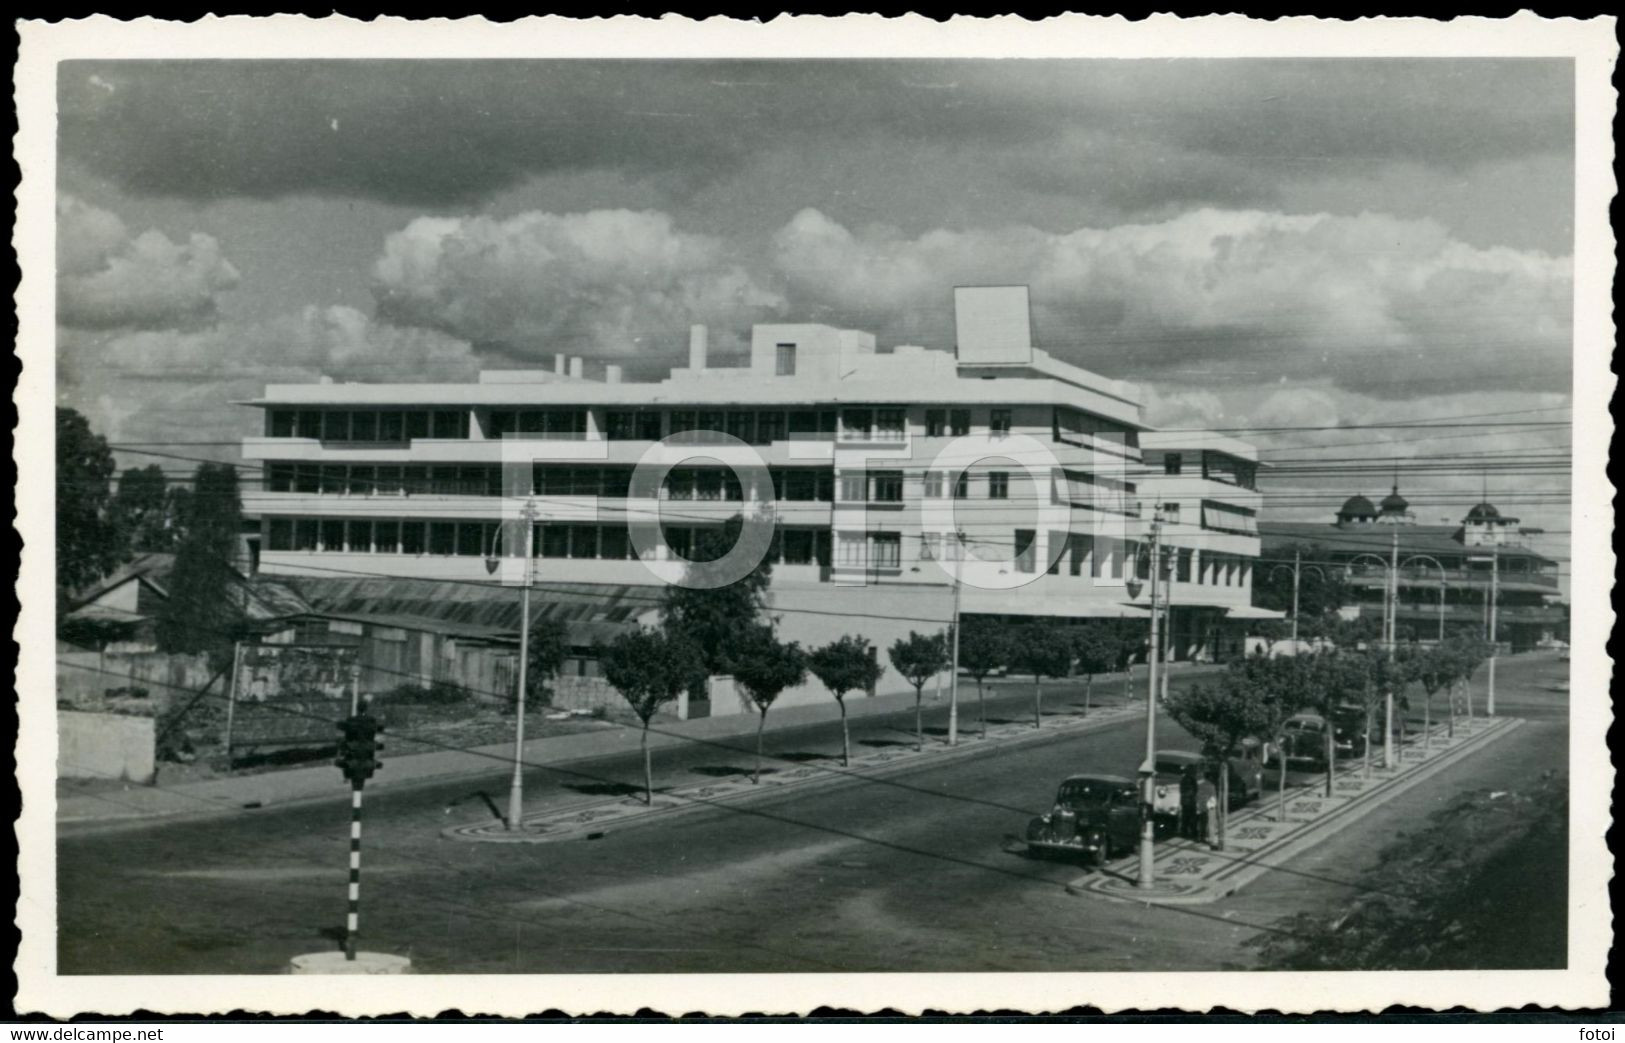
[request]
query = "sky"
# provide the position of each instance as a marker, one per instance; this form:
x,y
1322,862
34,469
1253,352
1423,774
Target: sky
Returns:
x,y
1256,243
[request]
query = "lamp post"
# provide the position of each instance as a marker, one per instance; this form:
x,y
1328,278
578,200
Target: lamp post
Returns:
x,y
953,664
1490,629
1297,575
1390,587
1444,582
1148,769
516,790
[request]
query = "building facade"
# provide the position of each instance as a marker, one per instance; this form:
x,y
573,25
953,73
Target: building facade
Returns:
x,y
1446,572
878,471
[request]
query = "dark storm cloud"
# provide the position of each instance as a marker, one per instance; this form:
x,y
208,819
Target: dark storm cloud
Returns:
x,y
444,133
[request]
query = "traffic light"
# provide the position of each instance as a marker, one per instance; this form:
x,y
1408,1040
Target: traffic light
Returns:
x,y
359,746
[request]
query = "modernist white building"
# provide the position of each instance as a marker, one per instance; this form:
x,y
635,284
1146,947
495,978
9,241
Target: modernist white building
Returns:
x,y
868,460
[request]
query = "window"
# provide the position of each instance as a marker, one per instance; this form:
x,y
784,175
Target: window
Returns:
x,y
358,537
852,549
415,480
742,425
617,482
333,478
857,425
364,426
613,543
555,542
999,422
388,482
800,484
959,422
784,360
1078,546
391,426
335,426
412,537
583,541
306,534
648,426
585,481
1172,463
886,550
282,423
892,426
619,426
279,534
936,423
797,547
332,534
887,486
935,483
1057,550
279,477
682,424
442,538
854,488
1221,517
1182,565
769,427
310,423
363,480
804,423
712,422
1026,543
450,423
417,424
998,485
962,486
386,537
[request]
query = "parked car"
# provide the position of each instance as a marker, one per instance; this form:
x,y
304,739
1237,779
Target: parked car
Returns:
x,y
1095,816
1304,739
1246,775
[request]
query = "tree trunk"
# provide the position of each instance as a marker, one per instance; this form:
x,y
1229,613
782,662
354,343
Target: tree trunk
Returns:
x,y
1365,768
1450,698
1280,758
761,722
1331,752
981,705
648,771
1088,692
846,737
919,727
1224,801
1038,702
1427,720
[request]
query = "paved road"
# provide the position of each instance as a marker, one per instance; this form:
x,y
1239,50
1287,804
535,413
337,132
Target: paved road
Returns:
x,y
908,873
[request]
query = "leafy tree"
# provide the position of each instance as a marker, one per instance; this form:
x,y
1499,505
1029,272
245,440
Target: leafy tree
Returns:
x,y
845,665
1272,631
88,544
984,646
1252,698
1321,591
1043,651
765,666
1096,645
202,614
919,657
549,647
716,619
143,507
650,668
1433,672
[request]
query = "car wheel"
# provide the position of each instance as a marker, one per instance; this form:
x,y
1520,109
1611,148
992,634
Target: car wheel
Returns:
x,y
1097,857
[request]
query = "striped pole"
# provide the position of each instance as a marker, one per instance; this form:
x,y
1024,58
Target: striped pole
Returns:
x,y
353,920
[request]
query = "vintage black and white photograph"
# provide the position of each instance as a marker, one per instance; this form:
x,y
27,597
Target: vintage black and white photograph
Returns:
x,y
747,510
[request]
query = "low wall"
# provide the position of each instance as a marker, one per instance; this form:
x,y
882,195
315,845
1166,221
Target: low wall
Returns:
x,y
584,693
105,746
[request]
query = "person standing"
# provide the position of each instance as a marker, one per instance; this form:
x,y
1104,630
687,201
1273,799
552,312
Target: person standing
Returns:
x,y
1207,806
1188,787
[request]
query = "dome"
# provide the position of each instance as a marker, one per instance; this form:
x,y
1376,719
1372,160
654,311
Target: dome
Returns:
x,y
1357,507
1484,512
1394,503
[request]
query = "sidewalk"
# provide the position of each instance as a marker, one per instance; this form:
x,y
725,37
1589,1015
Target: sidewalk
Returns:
x,y
323,782
1191,873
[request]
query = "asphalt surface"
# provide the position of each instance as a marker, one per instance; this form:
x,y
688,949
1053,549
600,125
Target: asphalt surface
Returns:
x,y
912,872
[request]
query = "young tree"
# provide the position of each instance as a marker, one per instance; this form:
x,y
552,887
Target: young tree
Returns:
x,y
1096,644
1287,684
1043,651
142,508
765,666
984,646
845,665
203,613
1433,672
87,538
919,657
1220,715
715,619
650,668
549,647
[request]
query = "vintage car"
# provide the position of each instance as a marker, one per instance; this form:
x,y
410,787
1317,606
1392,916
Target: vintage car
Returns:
x,y
1246,776
1095,816
1304,738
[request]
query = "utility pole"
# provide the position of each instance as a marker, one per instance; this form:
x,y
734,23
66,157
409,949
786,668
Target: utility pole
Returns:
x,y
1495,590
1297,571
953,667
516,792
1392,617
1148,770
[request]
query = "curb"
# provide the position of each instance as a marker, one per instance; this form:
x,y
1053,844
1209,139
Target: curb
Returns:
x,y
593,819
1235,870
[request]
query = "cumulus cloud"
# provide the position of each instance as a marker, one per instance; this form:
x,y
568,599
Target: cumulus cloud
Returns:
x,y
139,385
107,279
1388,307
609,282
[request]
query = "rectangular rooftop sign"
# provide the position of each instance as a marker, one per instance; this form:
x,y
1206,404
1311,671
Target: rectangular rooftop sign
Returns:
x,y
993,325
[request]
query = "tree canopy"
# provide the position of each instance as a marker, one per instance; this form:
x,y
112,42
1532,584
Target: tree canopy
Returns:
x,y
549,647
845,665
204,611
88,540
716,619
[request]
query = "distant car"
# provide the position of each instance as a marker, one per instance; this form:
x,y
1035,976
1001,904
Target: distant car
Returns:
x,y
1246,775
1095,817
1304,739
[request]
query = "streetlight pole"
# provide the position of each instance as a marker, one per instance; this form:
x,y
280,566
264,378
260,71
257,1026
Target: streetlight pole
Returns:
x,y
516,791
1148,769
953,668
1390,586
1427,704
1495,590
1297,575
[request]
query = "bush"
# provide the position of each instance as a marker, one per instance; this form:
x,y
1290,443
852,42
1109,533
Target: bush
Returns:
x,y
440,693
